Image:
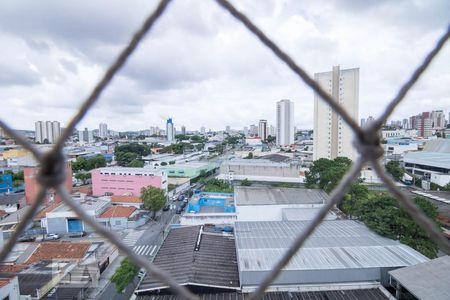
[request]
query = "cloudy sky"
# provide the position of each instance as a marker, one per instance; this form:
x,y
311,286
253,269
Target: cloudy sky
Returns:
x,y
202,68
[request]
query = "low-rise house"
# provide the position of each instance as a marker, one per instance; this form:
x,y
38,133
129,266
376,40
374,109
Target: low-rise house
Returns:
x,y
117,217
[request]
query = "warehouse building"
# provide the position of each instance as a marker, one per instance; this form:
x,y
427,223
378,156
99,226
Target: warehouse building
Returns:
x,y
340,252
277,204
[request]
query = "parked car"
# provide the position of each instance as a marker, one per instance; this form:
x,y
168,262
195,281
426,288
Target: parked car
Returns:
x,y
179,210
26,238
51,237
166,207
142,273
77,234
181,198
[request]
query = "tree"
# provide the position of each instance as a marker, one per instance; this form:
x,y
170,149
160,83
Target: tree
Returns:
x,y
246,182
125,158
219,186
382,214
249,155
163,163
326,174
271,139
83,176
171,186
393,167
153,198
124,275
136,163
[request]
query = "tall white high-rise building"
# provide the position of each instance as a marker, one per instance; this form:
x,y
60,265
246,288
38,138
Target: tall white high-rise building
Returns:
x,y
103,130
169,130
262,130
228,129
47,132
332,136
272,131
285,123
202,130
438,119
183,130
245,130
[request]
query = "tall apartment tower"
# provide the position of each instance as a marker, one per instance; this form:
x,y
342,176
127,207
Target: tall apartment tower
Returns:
x,y
285,123
103,130
262,130
169,130
47,132
183,130
332,136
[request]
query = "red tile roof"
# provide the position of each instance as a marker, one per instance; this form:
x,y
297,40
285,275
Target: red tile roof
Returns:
x,y
118,212
59,250
15,268
129,199
4,281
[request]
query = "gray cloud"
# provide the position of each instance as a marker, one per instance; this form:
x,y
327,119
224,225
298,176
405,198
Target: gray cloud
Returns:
x,y
201,67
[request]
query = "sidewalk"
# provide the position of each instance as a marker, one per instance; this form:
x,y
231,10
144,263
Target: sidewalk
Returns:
x,y
105,279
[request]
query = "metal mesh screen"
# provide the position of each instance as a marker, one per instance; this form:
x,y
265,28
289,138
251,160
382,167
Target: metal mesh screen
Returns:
x,y
367,142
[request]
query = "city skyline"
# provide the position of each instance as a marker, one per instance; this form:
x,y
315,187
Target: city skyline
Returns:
x,y
48,64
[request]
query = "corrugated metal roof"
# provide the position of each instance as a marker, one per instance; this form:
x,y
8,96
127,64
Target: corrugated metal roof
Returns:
x,y
366,294
277,196
214,263
437,284
434,159
336,244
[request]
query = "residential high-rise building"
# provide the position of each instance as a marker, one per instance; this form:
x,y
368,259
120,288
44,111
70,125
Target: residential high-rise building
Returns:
x,y
424,124
332,136
103,130
272,131
169,130
86,136
253,130
245,130
262,130
183,130
47,132
438,119
405,124
285,123
202,130
227,129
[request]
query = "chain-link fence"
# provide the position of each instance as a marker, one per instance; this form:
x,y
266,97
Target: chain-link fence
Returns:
x,y
367,142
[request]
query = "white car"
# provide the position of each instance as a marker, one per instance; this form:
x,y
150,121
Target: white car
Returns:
x,y
51,237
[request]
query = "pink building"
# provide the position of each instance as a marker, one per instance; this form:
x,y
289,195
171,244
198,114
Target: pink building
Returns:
x,y
126,181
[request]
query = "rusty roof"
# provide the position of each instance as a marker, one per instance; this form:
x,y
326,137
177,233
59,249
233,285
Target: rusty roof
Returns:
x,y
61,250
118,212
129,199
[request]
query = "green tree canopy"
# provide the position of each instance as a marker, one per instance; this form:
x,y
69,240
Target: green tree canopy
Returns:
x,y
393,167
136,163
87,164
326,174
153,198
249,155
218,185
246,182
381,213
124,275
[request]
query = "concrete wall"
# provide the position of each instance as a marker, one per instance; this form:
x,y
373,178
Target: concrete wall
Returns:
x,y
56,225
267,212
292,277
10,290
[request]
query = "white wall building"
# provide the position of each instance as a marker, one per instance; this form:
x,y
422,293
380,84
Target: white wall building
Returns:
x,y
262,130
332,136
170,130
47,130
103,130
285,123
